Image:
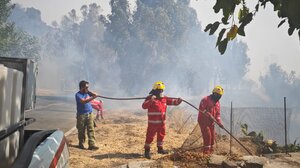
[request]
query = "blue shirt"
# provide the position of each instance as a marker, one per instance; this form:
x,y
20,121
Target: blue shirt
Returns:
x,y
83,108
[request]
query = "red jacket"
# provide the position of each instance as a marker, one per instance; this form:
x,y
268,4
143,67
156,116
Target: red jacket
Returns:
x,y
208,104
97,105
157,108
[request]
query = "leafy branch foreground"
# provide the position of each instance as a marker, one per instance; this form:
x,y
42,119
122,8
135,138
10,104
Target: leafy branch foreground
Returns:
x,y
287,10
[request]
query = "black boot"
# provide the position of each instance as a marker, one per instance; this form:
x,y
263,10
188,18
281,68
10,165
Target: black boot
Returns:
x,y
81,146
160,150
147,154
93,147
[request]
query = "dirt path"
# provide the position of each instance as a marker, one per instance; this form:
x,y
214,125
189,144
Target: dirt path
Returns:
x,y
121,139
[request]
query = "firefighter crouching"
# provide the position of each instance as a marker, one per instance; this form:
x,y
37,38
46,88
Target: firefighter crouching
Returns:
x,y
209,108
156,104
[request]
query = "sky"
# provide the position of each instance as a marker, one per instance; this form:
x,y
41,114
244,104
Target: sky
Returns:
x,y
267,44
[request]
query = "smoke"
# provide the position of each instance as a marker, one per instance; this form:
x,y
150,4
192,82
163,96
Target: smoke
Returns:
x,y
29,20
122,54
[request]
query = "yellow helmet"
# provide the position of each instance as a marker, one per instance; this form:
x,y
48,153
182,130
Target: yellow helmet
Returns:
x,y
158,85
269,142
219,90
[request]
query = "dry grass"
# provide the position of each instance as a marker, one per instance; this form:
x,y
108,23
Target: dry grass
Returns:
x,y
181,120
121,139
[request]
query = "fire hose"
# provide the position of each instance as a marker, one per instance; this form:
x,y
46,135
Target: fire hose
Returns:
x,y
211,117
114,98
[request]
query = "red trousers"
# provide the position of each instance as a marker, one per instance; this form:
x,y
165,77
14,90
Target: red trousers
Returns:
x,y
208,135
160,130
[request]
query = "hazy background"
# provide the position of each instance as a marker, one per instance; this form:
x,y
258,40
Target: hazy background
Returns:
x,y
265,41
123,48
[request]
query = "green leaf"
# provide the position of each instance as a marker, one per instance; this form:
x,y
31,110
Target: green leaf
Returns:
x,y
276,4
244,131
291,30
237,2
244,126
260,136
220,36
217,6
281,23
240,13
222,46
208,27
241,30
214,28
243,14
256,7
264,4
252,133
247,19
225,20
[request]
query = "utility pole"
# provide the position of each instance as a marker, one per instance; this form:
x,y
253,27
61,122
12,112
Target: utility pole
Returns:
x,y
231,123
285,133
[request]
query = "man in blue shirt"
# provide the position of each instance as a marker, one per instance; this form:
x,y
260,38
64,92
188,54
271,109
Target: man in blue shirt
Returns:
x,y
84,116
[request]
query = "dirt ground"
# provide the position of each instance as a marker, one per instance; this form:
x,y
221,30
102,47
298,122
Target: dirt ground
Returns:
x,y
121,138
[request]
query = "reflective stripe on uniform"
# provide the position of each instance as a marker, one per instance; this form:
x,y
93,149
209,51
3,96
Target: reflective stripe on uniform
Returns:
x,y
207,146
154,113
155,121
147,144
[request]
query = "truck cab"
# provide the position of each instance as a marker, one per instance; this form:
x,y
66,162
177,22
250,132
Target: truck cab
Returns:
x,y
20,147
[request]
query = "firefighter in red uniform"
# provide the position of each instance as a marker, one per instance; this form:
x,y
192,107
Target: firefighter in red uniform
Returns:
x,y
156,104
209,110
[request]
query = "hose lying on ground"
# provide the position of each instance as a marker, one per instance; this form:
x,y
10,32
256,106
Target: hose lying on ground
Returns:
x,y
214,120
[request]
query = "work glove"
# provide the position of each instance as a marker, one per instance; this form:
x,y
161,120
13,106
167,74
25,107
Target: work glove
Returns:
x,y
94,95
179,100
153,97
